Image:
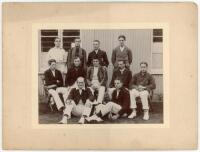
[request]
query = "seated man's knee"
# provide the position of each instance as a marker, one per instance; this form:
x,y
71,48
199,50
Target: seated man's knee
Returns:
x,y
88,104
144,93
134,92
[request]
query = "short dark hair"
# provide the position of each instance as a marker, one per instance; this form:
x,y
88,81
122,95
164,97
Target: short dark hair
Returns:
x,y
122,36
144,63
51,60
122,61
57,38
77,57
97,41
77,38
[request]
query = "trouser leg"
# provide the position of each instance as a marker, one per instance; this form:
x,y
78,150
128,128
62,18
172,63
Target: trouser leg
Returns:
x,y
87,108
110,107
68,108
54,93
133,94
144,99
101,94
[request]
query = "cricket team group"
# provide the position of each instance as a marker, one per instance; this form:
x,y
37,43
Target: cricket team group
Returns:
x,y
82,91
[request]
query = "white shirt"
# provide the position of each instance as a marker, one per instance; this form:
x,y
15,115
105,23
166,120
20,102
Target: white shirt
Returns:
x,y
96,51
117,93
122,70
95,76
53,72
58,54
121,48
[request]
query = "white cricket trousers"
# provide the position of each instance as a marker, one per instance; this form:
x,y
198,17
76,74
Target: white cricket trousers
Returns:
x,y
144,98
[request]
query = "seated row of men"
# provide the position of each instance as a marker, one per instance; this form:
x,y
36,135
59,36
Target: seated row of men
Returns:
x,y
85,90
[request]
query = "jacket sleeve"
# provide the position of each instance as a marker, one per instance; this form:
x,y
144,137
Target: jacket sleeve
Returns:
x,y
129,78
125,103
90,95
112,80
88,77
84,59
89,60
67,78
130,56
71,95
60,83
113,57
132,84
106,62
48,80
152,84
105,77
69,56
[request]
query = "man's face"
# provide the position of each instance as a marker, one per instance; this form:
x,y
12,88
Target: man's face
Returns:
x,y
95,62
118,84
143,68
53,66
96,45
121,41
77,42
57,42
121,65
80,83
77,62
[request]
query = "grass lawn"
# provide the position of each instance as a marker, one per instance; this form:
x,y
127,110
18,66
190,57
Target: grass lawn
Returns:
x,y
48,117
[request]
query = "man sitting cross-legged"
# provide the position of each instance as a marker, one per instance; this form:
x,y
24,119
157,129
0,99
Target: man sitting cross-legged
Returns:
x,y
73,73
119,105
141,85
79,102
97,78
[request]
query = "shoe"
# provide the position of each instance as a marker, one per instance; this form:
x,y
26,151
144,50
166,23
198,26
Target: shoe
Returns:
x,y
124,115
63,121
132,115
94,118
82,120
146,115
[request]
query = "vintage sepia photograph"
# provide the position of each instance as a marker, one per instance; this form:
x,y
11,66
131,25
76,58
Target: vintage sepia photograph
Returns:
x,y
100,76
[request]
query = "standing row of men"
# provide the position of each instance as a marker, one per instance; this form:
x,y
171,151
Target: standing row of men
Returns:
x,y
85,90
66,60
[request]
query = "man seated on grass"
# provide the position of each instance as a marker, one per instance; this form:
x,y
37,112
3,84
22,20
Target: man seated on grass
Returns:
x,y
117,107
75,71
79,103
97,78
141,85
53,81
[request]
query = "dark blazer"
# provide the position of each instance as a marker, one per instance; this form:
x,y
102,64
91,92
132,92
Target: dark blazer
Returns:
x,y
76,96
102,75
123,100
101,55
51,80
125,77
145,80
73,73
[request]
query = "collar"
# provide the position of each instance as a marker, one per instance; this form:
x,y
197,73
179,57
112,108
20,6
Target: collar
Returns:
x,y
78,88
122,70
144,73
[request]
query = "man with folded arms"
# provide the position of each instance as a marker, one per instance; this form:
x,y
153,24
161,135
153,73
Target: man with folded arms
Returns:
x,y
53,81
79,103
141,85
123,73
118,106
97,78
